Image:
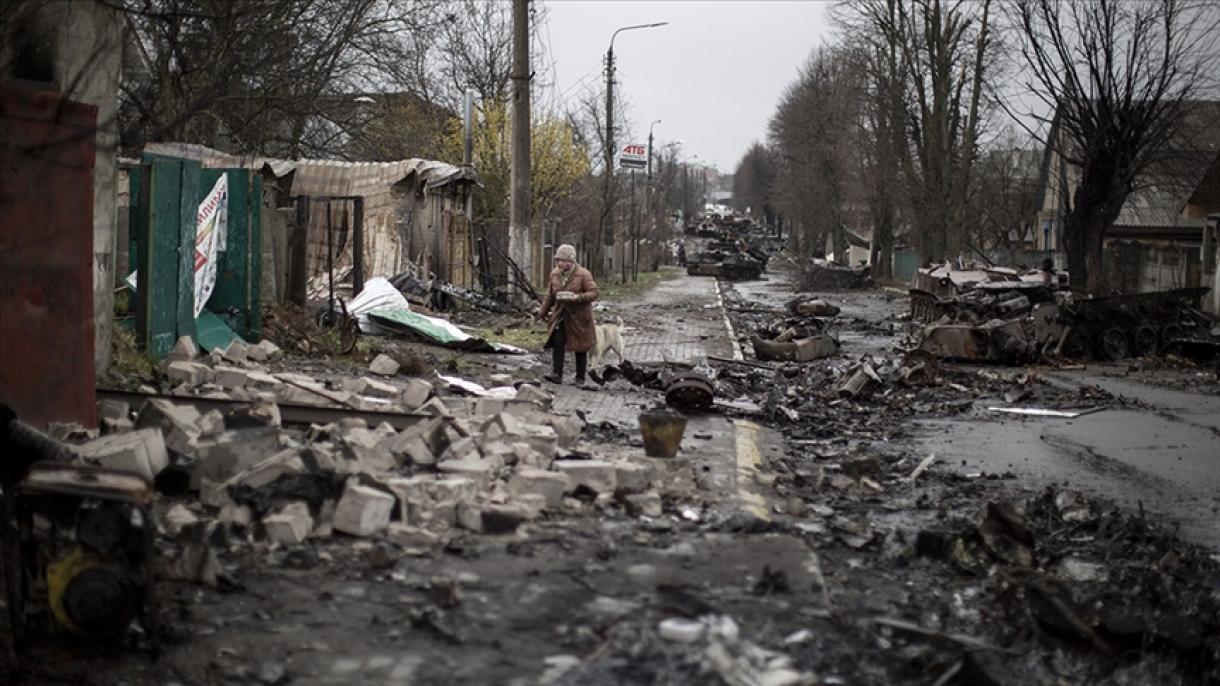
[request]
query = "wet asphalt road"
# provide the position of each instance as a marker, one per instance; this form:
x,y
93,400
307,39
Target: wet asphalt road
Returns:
x,y
1165,458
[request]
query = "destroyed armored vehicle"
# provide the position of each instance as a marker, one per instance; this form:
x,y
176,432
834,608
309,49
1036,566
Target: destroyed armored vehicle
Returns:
x,y
733,266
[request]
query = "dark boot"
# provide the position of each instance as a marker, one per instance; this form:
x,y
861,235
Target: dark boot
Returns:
x,y
582,361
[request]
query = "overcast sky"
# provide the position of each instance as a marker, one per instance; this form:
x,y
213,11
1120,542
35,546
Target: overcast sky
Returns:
x,y
713,75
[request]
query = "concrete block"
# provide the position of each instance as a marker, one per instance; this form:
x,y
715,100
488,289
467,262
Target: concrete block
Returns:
x,y
262,381
465,448
362,510
265,350
229,377
383,365
412,449
113,409
227,454
486,407
189,373
355,459
416,394
236,351
597,475
632,477
184,350
210,423
116,426
142,452
453,488
477,470
435,407
500,425
531,393
373,388
550,485
436,516
646,504
263,473
385,430
500,453
360,436
290,525
470,517
409,491
542,439
167,416
568,429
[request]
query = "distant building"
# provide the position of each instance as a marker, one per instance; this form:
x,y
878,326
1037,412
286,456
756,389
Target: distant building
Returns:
x,y
1157,241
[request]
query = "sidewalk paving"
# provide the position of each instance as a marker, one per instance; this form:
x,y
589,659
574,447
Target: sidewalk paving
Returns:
x,y
681,320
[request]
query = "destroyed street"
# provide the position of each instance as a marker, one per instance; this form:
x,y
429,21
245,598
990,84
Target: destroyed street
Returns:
x,y
367,342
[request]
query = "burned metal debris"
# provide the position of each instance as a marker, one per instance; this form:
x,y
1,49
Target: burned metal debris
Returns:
x,y
823,275
1014,321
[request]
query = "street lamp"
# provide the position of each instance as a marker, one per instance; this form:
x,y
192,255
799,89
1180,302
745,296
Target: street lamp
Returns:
x,y
610,121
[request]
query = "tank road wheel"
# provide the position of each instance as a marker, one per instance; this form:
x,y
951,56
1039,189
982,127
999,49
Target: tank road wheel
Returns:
x,y
1112,344
1170,332
1144,340
1078,346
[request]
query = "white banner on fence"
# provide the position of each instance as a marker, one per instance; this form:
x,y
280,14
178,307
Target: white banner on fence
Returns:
x,y
210,239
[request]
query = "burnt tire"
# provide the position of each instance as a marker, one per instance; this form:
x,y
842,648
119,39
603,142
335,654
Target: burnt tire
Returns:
x,y
1078,346
1112,344
1169,332
1144,340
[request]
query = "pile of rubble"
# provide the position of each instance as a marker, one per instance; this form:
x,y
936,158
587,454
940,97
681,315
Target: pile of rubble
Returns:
x,y
486,464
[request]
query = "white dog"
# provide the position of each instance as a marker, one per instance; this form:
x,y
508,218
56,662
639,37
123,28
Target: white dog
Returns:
x,y
609,337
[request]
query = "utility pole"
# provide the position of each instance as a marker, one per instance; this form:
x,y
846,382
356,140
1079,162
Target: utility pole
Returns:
x,y
608,211
519,217
606,232
635,233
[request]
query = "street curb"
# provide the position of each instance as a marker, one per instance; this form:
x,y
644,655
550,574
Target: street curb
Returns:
x,y
728,325
749,462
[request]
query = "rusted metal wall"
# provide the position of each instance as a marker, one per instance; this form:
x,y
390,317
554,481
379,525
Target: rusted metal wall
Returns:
x,y
46,256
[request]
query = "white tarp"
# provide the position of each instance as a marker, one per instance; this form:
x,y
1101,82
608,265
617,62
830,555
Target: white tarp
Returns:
x,y
377,293
210,238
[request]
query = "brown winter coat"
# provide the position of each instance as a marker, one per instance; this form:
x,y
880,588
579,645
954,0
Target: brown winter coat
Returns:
x,y
577,315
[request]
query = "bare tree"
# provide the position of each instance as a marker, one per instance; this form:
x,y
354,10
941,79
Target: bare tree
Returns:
x,y
882,135
254,75
754,182
1115,74
926,62
811,134
1005,195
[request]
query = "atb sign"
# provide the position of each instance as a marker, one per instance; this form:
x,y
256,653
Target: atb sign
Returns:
x,y
633,156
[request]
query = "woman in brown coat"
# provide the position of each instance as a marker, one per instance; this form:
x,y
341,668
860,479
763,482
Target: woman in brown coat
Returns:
x,y
568,309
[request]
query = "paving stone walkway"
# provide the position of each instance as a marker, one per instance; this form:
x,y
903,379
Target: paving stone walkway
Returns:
x,y
681,320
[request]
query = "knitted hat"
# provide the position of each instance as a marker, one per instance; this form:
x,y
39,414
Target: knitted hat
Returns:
x,y
566,252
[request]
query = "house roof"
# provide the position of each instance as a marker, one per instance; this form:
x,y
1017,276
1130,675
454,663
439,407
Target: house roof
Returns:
x,y
1165,188
326,177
